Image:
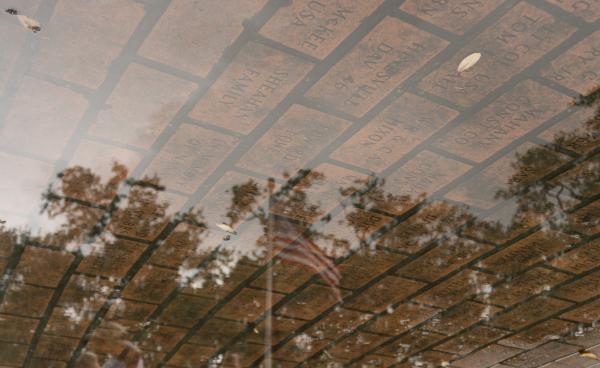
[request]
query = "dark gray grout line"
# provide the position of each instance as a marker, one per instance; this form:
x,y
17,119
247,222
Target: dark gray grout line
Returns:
x,y
213,127
83,91
49,308
105,141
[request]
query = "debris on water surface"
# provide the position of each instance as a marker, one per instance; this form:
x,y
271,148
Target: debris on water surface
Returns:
x,y
29,23
468,62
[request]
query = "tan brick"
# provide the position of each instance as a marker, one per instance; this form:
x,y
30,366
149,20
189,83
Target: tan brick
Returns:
x,y
185,310
141,106
581,289
454,16
534,281
243,354
512,43
317,188
162,338
82,39
374,360
481,190
573,132
580,259
337,323
588,10
12,354
100,159
17,329
511,116
457,288
381,295
146,213
294,139
181,245
356,344
389,54
55,347
399,128
467,342
114,260
425,227
418,178
248,305
189,156
216,332
46,129
43,267
587,219
317,27
280,328
527,252
87,291
410,343
541,355
541,333
402,319
527,313
64,322
256,81
363,266
460,317
309,303
214,290
151,284
443,259
487,357
192,36
191,356
587,313
287,277
130,314
298,350
26,300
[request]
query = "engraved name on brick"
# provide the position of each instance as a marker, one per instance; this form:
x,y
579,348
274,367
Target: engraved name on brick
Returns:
x,y
395,131
317,27
510,45
254,83
579,67
454,16
515,113
190,156
388,55
298,136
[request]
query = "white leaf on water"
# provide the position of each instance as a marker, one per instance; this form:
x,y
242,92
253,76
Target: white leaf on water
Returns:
x,y
226,228
29,23
589,354
468,62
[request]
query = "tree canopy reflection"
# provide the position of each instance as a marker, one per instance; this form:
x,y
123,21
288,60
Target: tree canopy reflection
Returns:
x,y
98,216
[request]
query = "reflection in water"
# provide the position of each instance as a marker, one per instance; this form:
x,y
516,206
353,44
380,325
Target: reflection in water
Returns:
x,y
135,275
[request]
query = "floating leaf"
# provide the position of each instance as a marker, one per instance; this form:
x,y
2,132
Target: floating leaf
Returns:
x,y
29,23
226,228
468,62
588,354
